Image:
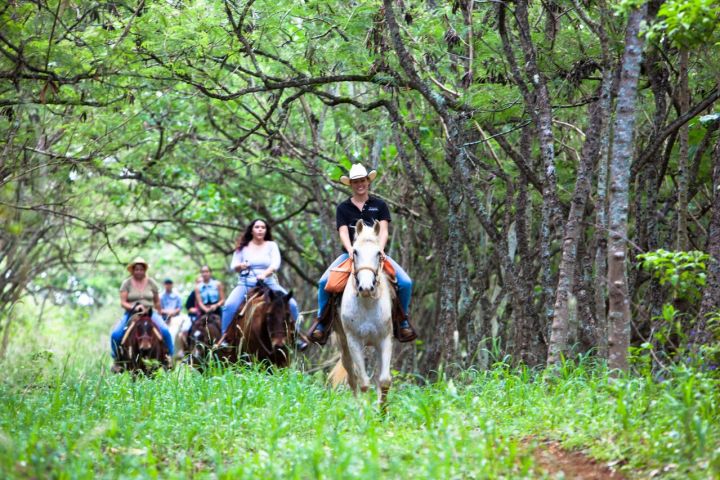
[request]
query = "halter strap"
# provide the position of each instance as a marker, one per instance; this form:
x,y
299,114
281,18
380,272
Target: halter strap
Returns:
x,y
376,271
366,267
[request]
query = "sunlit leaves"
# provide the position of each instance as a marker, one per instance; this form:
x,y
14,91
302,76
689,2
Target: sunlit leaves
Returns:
x,y
687,23
683,272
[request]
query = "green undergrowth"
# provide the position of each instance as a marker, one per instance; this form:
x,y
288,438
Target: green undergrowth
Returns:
x,y
63,419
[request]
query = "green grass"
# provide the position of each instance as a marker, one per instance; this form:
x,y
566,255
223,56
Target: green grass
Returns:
x,y
61,418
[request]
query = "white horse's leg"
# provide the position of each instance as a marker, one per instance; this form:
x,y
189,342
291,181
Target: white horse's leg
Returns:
x,y
384,379
358,359
174,327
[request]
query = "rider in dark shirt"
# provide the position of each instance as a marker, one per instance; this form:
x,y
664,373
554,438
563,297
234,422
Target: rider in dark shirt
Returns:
x,y
370,209
191,303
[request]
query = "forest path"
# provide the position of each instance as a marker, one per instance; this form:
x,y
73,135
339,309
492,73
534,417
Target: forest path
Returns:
x,y
555,461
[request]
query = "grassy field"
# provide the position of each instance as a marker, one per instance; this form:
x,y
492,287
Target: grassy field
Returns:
x,y
62,415
59,419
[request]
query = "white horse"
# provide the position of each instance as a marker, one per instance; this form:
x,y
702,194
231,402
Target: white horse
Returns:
x,y
365,314
177,325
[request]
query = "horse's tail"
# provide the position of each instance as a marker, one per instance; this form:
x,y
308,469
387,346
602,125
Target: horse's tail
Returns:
x,y
338,375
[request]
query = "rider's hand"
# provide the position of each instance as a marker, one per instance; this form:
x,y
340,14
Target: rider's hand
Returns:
x,y
261,276
141,309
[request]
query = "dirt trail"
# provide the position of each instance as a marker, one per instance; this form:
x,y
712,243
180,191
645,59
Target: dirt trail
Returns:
x,y
552,459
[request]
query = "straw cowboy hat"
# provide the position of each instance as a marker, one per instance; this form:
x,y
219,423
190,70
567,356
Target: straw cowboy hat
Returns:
x,y
357,171
137,261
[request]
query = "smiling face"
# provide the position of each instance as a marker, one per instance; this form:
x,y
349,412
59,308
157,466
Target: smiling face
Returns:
x,y
258,230
360,186
138,271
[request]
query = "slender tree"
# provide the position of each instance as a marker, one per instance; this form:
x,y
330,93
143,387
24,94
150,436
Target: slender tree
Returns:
x,y
622,152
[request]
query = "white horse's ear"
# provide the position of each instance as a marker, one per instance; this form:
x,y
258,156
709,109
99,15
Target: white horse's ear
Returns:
x,y
359,227
376,227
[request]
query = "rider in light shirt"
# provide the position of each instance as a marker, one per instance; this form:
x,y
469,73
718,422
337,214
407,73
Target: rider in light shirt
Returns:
x,y
209,293
170,302
256,257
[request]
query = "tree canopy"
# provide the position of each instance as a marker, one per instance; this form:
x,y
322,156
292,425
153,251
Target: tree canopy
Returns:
x,y
496,127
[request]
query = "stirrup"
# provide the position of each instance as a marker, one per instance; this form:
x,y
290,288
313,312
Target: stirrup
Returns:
x,y
318,333
405,332
302,343
117,367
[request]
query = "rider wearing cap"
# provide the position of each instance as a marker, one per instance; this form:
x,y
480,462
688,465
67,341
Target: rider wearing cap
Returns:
x,y
170,302
361,205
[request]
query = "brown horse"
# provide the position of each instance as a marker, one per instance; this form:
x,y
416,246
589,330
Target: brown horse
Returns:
x,y
262,329
142,349
203,334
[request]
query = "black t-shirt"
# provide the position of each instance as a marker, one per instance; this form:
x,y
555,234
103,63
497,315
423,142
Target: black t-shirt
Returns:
x,y
190,302
348,214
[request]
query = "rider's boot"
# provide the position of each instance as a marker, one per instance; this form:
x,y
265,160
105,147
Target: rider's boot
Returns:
x,y
405,331
320,329
117,367
301,342
402,329
319,334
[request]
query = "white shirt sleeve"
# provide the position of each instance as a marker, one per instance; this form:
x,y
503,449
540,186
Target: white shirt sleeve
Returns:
x,y
236,260
274,256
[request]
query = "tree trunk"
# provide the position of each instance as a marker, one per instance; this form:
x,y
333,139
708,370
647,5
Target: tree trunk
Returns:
x,y
542,115
622,151
711,293
573,232
6,334
683,179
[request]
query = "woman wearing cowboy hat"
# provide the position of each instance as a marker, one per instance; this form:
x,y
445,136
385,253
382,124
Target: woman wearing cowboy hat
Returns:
x,y
370,209
144,291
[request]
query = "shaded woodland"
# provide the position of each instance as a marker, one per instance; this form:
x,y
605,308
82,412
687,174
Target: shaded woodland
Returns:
x,y
529,151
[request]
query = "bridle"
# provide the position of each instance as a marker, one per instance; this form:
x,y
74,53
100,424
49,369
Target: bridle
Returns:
x,y
271,317
375,271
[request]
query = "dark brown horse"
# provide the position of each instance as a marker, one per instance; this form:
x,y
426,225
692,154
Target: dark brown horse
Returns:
x,y
262,330
203,334
142,349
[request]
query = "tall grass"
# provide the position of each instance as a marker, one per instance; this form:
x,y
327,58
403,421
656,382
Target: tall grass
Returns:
x,y
65,418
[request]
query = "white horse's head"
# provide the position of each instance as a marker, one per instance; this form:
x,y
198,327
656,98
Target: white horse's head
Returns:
x,y
367,258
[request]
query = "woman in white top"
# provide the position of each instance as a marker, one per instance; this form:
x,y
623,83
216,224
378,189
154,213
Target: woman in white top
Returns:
x,y
256,257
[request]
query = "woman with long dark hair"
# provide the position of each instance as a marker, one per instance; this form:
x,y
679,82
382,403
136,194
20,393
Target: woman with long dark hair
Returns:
x,y
256,258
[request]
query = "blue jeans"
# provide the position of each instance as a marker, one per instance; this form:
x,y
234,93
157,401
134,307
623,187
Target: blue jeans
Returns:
x,y
119,331
403,280
238,296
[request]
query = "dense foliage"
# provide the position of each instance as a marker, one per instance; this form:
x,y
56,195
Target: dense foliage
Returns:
x,y
133,126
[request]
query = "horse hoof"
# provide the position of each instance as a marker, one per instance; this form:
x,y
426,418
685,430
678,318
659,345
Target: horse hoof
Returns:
x,y
364,388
